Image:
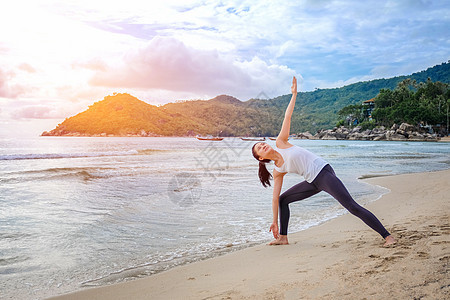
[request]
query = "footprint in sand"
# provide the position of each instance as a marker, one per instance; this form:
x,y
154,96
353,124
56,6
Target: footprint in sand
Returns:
x,y
422,254
400,254
440,242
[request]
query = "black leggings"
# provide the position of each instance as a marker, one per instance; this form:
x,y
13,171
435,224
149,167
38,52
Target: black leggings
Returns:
x,y
326,181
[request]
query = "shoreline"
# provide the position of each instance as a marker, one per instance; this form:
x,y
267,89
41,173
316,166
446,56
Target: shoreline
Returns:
x,y
341,258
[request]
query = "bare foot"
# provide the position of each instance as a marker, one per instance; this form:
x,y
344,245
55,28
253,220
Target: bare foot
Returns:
x,y
282,240
389,241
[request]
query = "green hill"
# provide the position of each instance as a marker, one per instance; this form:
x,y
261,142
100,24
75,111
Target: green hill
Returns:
x,y
123,114
229,116
318,109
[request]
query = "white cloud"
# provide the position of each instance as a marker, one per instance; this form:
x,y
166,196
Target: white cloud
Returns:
x,y
7,88
169,64
27,68
33,112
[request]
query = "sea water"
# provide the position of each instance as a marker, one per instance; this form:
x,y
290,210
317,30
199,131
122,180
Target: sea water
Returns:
x,y
82,212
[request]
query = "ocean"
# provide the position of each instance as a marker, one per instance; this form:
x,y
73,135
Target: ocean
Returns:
x,y
83,212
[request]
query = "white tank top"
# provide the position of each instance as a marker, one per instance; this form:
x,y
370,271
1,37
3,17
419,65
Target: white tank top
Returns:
x,y
300,161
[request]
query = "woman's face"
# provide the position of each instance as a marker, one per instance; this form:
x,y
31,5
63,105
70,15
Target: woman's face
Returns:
x,y
263,150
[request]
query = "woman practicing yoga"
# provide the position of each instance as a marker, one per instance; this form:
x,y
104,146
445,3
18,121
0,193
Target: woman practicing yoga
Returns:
x,y
319,176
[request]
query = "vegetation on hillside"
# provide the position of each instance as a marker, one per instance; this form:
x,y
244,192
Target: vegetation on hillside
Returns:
x,y
228,116
123,114
420,104
319,109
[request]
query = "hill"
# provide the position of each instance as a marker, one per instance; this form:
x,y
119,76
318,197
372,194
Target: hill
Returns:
x,y
227,116
318,109
123,114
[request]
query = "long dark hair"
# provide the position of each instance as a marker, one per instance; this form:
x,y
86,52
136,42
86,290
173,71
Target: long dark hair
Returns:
x,y
263,173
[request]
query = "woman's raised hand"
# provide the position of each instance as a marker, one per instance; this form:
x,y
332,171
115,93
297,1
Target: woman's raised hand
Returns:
x,y
294,85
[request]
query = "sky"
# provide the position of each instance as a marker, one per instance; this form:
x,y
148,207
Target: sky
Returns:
x,y
59,57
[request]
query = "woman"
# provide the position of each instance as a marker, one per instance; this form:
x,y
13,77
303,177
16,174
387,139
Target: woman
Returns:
x,y
318,174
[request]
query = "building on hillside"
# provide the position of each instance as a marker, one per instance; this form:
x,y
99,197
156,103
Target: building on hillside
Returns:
x,y
368,107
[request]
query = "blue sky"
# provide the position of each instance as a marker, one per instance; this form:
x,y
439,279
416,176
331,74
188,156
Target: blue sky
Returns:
x,y
57,57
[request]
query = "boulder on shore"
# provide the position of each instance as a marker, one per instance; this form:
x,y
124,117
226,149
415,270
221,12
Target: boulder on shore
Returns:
x,y
402,132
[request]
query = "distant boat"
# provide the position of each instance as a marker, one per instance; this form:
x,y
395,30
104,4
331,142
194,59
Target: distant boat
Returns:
x,y
274,138
254,139
209,138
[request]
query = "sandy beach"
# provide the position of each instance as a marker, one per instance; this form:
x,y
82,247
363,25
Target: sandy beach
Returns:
x,y
340,259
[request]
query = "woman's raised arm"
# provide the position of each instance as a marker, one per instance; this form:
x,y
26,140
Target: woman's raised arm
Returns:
x,y
283,136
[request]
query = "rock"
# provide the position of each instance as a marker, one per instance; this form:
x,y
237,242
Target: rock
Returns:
x,y
341,136
305,135
355,136
341,133
415,136
406,127
431,137
356,129
418,138
389,133
381,137
341,130
402,132
370,137
329,136
397,137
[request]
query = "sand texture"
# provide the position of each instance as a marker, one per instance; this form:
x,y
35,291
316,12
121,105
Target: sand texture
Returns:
x,y
340,259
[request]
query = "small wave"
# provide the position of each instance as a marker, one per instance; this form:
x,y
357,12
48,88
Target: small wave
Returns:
x,y
12,260
85,174
149,151
63,170
65,155
391,156
13,236
78,155
367,176
332,146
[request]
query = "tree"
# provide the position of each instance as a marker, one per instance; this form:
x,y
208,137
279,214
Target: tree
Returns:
x,y
423,103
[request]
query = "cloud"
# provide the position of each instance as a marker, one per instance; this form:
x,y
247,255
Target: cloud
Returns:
x,y
3,48
33,112
27,68
22,110
168,64
95,64
7,89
